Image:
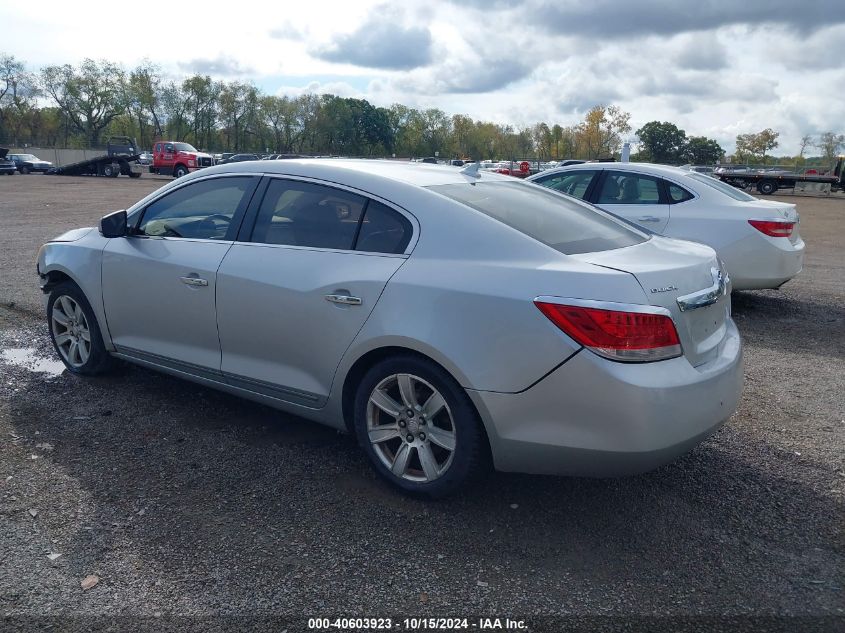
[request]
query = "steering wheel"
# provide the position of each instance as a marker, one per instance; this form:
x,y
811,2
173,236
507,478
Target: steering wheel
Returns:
x,y
220,216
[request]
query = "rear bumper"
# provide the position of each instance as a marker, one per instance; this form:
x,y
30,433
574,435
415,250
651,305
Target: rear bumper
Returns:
x,y
595,417
759,262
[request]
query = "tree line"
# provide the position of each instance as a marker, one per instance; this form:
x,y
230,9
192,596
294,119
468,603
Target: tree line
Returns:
x,y
81,105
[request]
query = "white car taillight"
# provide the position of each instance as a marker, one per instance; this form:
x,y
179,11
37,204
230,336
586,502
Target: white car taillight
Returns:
x,y
773,228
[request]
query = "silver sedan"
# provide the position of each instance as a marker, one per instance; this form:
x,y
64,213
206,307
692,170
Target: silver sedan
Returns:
x,y
448,318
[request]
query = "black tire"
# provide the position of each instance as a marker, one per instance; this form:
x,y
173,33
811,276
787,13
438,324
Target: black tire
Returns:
x,y
24,170
99,360
180,171
470,442
134,174
767,187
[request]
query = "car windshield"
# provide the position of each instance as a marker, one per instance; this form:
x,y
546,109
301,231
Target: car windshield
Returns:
x,y
184,147
725,188
567,225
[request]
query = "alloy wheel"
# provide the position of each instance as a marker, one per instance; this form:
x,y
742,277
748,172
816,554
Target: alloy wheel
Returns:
x,y
411,428
71,331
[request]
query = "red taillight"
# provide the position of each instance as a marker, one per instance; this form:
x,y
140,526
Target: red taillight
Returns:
x,y
616,334
773,228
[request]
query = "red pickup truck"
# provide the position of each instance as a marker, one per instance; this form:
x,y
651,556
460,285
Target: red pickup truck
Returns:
x,y
177,159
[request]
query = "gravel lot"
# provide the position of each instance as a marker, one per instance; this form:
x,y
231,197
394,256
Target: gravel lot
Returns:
x,y
184,501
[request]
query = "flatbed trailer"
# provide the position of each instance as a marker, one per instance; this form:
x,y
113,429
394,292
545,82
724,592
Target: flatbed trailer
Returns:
x,y
768,183
120,158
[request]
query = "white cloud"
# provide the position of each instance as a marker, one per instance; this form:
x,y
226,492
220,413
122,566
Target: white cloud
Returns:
x,y
713,72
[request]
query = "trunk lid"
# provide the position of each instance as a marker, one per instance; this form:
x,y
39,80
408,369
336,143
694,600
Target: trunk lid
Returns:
x,y
669,269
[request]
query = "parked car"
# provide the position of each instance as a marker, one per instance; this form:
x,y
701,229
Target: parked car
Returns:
x,y
7,166
440,315
26,163
145,158
239,158
757,239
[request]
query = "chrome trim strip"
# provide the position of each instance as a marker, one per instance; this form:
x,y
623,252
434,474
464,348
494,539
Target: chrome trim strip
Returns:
x,y
264,388
605,305
260,387
707,296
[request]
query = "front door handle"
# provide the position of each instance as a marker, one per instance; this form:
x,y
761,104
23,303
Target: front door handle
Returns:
x,y
344,300
648,218
194,281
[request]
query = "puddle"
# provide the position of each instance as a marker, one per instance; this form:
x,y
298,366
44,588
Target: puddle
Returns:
x,y
25,357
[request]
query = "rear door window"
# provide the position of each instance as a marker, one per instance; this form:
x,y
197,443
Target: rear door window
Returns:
x,y
629,188
297,213
383,230
567,225
677,193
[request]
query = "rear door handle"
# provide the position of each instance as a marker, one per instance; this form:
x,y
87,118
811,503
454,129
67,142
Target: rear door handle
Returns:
x,y
194,281
648,218
344,300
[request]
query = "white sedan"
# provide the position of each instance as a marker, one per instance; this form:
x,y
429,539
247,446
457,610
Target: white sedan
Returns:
x,y
757,240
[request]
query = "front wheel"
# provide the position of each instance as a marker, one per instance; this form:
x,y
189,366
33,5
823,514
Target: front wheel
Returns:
x,y
180,171
418,427
74,331
24,170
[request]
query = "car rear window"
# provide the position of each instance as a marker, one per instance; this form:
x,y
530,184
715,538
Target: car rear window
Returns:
x,y
567,225
725,188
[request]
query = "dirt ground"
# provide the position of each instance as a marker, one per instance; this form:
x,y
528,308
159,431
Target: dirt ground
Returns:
x,y
187,502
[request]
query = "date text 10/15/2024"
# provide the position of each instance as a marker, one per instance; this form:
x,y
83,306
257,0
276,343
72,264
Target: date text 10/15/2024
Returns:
x,y
417,624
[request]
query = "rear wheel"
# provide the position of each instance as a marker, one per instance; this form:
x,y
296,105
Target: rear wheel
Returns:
x,y
111,170
767,187
74,331
418,427
180,171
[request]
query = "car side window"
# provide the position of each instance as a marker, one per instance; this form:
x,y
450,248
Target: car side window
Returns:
x,y
677,193
574,183
383,230
200,210
299,213
629,188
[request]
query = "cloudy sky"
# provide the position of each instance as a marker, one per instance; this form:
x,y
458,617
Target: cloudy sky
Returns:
x,y
714,67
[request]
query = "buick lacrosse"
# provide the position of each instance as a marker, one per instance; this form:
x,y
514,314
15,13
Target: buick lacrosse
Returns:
x,y
447,318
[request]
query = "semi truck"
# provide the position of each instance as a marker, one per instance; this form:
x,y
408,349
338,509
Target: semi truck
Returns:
x,y
120,158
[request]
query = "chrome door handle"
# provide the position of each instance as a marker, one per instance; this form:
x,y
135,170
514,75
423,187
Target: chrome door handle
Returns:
x,y
344,300
648,218
194,281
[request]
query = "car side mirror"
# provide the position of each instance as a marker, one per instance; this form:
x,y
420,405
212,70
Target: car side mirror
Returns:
x,y
114,224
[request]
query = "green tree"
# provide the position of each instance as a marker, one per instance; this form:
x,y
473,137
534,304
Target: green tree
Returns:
x,y
830,143
90,95
700,150
144,101
662,143
755,146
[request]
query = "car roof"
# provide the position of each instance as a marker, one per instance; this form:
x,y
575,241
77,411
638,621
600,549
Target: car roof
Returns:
x,y
646,168
349,171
